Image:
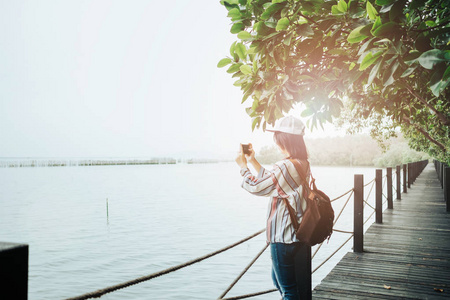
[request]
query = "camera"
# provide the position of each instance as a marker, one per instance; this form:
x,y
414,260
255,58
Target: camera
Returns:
x,y
245,149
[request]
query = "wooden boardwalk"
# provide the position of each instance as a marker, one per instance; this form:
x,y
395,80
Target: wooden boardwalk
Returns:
x,y
406,257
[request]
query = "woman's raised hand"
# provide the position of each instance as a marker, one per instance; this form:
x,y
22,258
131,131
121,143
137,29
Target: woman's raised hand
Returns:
x,y
241,159
250,157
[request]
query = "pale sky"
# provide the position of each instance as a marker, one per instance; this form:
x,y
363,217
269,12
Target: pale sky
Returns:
x,y
119,79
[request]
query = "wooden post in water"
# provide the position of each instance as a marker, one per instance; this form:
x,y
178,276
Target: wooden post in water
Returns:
x,y
405,190
399,187
358,222
446,181
409,175
378,196
389,187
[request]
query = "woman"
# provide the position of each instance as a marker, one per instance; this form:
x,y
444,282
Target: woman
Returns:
x,y
282,182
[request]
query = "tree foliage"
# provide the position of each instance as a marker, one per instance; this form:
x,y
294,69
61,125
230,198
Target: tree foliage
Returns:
x,y
388,61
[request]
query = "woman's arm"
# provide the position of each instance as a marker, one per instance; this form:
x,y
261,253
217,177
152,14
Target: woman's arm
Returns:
x,y
251,159
261,185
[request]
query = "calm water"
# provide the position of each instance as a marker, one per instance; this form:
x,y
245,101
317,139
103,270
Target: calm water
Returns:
x,y
158,216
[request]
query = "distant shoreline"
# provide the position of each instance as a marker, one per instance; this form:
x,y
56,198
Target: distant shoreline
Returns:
x,y
27,163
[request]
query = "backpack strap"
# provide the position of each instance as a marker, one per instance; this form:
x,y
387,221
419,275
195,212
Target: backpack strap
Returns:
x,y
302,174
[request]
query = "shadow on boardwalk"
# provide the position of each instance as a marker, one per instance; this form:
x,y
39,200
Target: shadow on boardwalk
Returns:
x,y
406,257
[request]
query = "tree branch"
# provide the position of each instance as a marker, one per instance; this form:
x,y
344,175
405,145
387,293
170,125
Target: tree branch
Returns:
x,y
444,119
424,133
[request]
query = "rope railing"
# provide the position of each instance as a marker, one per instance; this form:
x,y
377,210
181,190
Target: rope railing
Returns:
x,y
368,195
101,292
329,257
243,272
373,180
343,231
367,220
369,205
339,197
250,295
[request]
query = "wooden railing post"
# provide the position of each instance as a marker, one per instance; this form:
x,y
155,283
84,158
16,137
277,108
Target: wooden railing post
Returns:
x,y
409,175
14,270
378,196
399,187
442,174
446,181
405,190
358,222
389,187
414,167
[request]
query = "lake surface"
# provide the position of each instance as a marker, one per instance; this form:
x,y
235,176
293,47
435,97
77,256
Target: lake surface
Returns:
x,y
92,227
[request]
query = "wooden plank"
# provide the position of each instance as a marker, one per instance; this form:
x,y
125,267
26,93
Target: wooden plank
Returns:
x,y
410,251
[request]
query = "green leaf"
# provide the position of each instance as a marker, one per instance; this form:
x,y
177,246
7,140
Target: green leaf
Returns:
x,y
387,28
234,14
371,11
282,24
417,4
397,10
436,83
374,72
430,23
223,62
244,35
363,48
388,75
307,112
356,35
241,51
256,121
270,24
232,47
388,42
273,8
446,74
384,2
369,59
342,6
335,10
302,20
376,24
409,71
352,65
231,2
430,58
237,27
287,40
246,69
234,68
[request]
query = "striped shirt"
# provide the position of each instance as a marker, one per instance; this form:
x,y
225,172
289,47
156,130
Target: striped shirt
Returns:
x,y
282,181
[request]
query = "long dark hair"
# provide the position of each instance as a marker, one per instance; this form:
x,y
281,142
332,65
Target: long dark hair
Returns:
x,y
292,143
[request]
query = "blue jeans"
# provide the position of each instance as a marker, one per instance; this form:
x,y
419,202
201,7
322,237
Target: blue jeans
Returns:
x,y
283,269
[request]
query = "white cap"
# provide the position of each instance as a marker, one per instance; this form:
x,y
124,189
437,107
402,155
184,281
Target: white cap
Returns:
x,y
290,125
